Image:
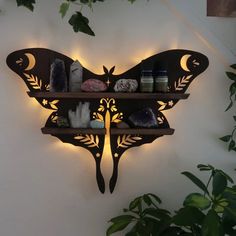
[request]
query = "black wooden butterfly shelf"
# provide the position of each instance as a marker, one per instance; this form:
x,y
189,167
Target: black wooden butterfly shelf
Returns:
x,y
110,107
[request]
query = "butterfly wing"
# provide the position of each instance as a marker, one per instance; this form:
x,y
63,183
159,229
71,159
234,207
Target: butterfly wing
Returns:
x,y
33,66
183,66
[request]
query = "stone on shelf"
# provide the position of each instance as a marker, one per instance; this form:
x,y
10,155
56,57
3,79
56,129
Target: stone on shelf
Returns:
x,y
122,125
76,74
96,124
62,122
58,78
81,117
126,85
144,119
93,85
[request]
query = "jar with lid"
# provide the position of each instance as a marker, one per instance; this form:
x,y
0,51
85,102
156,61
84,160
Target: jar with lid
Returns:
x,y
161,81
146,81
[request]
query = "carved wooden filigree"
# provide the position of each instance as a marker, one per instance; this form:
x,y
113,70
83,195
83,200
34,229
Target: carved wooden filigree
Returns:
x,y
33,66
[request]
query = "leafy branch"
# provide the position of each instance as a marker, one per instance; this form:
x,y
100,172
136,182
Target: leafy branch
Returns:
x,y
78,21
210,212
230,139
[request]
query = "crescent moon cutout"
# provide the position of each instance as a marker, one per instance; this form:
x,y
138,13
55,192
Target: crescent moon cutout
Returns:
x,y
183,62
32,61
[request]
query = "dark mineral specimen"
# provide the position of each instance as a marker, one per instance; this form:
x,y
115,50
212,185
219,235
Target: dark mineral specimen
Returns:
x,y
143,119
58,78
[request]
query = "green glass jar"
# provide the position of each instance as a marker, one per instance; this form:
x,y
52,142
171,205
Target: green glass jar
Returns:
x,y
161,81
146,81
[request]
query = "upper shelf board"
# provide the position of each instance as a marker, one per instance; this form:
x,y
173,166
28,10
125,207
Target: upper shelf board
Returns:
x,y
94,95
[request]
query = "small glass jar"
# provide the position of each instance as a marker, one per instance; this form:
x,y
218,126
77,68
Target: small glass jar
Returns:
x,y
146,81
161,81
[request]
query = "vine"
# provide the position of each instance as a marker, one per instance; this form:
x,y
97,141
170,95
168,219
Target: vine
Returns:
x,y
78,21
230,138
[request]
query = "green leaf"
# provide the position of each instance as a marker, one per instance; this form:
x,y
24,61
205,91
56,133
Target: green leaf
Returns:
x,y
147,199
233,66
229,106
196,181
26,3
156,198
197,200
157,213
122,218
80,23
219,183
231,145
220,205
211,225
226,138
231,75
202,167
231,213
188,216
134,203
64,8
119,226
226,176
232,89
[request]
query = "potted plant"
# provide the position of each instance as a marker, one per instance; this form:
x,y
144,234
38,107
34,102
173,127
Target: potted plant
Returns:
x,y
210,212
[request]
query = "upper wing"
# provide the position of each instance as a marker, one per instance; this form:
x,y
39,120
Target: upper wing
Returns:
x,y
33,66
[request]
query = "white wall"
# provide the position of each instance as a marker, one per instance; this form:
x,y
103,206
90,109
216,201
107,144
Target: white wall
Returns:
x,y
48,188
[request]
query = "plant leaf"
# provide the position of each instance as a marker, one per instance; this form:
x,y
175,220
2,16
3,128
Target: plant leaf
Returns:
x,y
229,106
211,225
64,8
231,145
202,167
26,3
231,75
155,197
147,199
219,183
134,203
226,176
80,23
197,200
188,216
122,218
196,181
117,227
233,66
226,138
232,89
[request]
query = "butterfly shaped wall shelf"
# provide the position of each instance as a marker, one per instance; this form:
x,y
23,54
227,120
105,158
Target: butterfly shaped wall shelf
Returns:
x,y
33,66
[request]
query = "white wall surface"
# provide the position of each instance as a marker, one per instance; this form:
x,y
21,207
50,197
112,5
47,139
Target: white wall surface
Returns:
x,y
48,188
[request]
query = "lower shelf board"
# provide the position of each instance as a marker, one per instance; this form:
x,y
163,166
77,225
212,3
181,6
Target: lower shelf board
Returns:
x,y
113,131
141,131
55,131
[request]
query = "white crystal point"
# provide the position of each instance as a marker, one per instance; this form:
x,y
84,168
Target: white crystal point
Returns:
x,y
76,75
80,118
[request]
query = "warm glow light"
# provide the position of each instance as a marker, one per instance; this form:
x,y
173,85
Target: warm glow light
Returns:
x,y
36,44
143,55
64,146
174,44
194,29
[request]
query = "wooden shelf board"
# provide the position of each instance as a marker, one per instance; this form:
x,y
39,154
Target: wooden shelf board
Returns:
x,y
141,131
114,131
85,95
55,131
